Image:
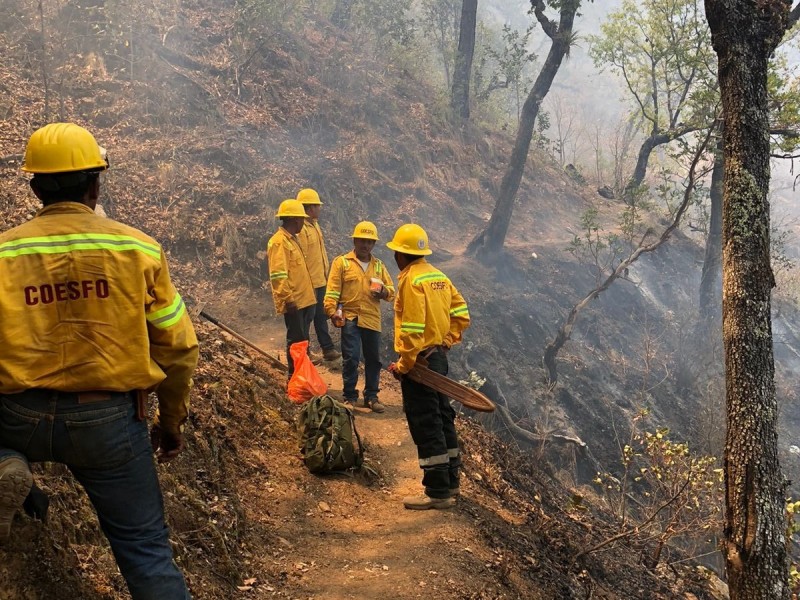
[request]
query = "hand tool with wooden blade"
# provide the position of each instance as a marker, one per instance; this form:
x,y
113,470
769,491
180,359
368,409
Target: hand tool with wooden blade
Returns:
x,y
199,311
441,383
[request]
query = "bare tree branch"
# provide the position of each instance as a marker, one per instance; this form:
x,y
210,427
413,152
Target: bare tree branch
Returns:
x,y
632,530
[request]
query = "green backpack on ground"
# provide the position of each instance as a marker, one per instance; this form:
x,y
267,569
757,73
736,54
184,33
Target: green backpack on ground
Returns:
x,y
328,437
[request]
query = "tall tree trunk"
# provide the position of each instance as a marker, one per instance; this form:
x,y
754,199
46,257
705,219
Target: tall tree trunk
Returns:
x,y
490,241
341,13
711,279
459,99
744,34
646,149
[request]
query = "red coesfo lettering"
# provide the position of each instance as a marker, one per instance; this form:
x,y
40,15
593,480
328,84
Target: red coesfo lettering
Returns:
x,y
47,293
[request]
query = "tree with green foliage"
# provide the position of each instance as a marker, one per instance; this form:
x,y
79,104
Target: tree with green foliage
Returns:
x,y
662,52
439,23
745,33
508,66
385,24
490,241
462,73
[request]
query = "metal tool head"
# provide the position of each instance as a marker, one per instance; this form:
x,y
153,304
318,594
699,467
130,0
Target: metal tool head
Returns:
x,y
198,308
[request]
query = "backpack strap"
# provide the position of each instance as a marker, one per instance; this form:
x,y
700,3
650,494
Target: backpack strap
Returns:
x,y
360,455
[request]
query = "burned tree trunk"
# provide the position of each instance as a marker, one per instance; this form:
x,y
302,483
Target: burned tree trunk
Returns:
x,y
491,240
744,34
459,99
646,149
657,138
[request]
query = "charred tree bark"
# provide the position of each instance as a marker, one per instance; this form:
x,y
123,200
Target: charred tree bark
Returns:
x,y
341,13
491,240
744,35
640,170
655,140
459,99
711,279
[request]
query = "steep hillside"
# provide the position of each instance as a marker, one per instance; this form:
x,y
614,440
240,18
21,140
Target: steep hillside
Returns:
x,y
207,131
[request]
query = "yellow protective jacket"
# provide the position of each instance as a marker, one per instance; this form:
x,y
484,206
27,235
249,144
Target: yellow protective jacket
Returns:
x,y
312,243
288,273
87,304
428,312
349,284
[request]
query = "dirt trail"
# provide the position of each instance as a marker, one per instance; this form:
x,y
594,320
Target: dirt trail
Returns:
x,y
345,537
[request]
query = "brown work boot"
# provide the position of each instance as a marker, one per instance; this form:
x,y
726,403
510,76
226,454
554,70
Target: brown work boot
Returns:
x,y
375,405
456,491
425,502
15,484
331,354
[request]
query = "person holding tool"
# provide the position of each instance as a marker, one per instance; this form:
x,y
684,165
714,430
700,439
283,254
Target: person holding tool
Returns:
x,y
89,324
429,317
357,283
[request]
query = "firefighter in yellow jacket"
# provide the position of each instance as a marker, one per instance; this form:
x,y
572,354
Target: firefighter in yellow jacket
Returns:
x,y
313,244
292,290
357,283
429,316
88,317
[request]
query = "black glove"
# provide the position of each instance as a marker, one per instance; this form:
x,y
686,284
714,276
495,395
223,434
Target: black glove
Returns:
x,y
36,504
166,445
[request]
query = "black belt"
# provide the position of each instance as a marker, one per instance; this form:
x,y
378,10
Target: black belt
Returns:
x,y
426,352
79,397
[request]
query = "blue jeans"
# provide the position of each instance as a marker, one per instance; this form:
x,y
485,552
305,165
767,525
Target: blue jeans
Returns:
x,y
354,339
109,453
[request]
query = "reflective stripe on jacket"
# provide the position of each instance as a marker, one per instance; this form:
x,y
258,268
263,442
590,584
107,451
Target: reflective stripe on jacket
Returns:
x,y
288,273
86,303
349,284
312,242
428,311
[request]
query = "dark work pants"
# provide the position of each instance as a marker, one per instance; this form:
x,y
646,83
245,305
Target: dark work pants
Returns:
x,y
321,321
431,421
297,327
354,340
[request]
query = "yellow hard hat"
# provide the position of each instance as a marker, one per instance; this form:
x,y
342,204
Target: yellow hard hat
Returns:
x,y
366,230
63,148
291,208
308,196
410,239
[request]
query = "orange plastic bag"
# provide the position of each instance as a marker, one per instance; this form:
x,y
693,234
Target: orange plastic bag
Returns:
x,y
305,382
